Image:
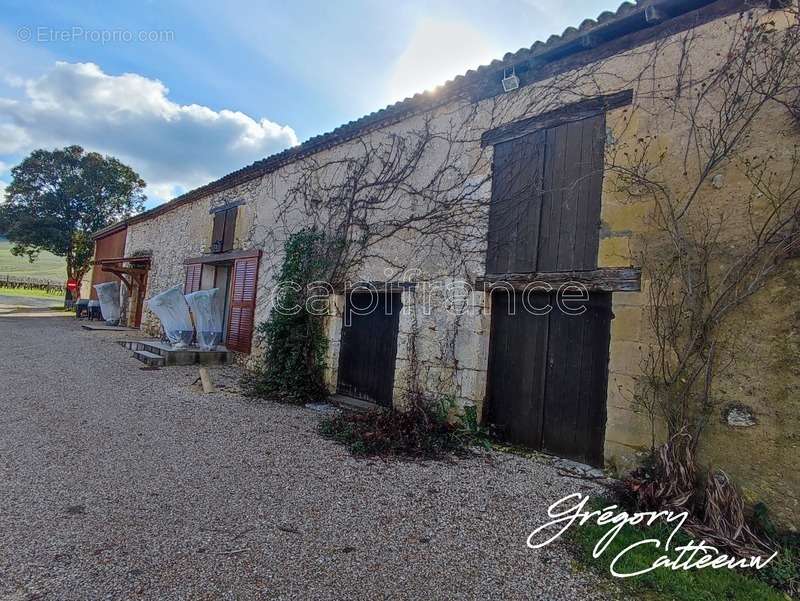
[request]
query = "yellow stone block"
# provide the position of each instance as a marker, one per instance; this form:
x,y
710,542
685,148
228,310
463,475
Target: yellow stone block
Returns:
x,y
621,390
625,217
614,252
632,299
629,429
625,357
627,323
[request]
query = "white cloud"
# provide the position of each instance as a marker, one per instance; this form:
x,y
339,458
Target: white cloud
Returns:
x,y
172,146
12,138
437,52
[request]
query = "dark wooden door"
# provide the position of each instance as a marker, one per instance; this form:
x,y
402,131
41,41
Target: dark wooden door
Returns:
x,y
548,375
516,205
545,208
369,346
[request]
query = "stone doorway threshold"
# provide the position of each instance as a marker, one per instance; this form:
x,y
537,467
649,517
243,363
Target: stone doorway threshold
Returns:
x,y
350,404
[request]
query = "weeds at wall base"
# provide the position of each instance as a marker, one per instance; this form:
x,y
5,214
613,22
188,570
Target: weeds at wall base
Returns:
x,y
417,433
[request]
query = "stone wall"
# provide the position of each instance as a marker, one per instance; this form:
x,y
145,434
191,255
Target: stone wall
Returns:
x,y
181,234
443,343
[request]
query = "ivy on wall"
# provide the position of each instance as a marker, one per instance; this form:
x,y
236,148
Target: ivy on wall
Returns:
x,y
293,365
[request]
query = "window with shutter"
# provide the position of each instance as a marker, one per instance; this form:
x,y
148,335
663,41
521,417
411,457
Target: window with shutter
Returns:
x,y
217,232
223,231
229,231
194,273
243,304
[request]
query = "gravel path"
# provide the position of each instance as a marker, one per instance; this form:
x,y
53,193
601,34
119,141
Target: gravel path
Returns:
x,y
119,483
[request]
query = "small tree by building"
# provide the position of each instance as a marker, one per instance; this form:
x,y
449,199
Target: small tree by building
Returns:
x,y
57,198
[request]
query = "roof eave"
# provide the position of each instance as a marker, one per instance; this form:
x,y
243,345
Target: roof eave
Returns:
x,y
475,84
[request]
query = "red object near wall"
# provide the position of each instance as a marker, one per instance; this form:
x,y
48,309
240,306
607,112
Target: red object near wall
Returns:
x,y
194,273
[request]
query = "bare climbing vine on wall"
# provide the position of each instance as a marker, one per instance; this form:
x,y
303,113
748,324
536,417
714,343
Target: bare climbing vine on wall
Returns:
x,y
721,210
718,235
725,228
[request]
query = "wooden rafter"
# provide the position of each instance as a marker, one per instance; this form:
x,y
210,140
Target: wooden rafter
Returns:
x,y
132,275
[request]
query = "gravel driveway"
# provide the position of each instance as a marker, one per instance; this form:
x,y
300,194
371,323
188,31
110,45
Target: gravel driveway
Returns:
x,y
119,483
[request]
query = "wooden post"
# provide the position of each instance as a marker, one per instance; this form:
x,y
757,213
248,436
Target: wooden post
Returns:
x,y
205,380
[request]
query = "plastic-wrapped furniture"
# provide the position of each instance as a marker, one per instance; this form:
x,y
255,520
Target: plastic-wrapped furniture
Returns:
x,y
206,309
171,308
108,295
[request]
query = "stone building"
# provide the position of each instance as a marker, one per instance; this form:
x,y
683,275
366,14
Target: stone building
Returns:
x,y
549,168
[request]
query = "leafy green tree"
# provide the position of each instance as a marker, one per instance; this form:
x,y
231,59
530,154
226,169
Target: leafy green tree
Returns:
x,y
57,198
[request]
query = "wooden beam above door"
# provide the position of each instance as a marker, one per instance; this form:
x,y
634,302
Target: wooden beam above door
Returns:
x,y
576,111
606,279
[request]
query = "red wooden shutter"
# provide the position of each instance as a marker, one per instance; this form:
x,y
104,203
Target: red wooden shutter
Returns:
x,y
193,273
243,304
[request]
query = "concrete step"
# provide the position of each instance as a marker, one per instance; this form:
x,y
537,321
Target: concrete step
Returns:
x,y
184,356
149,358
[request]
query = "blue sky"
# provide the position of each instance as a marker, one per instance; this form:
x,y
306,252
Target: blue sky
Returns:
x,y
187,91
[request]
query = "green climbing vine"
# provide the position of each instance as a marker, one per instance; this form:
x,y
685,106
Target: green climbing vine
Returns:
x,y
293,365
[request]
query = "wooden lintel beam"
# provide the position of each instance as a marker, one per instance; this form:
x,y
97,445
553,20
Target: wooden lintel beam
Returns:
x,y
124,272
572,112
129,276
606,279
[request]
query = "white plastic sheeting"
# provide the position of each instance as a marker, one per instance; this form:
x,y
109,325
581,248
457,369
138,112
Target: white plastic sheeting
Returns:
x,y
206,308
108,295
171,308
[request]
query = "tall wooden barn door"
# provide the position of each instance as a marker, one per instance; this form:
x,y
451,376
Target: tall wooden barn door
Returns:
x,y
369,346
547,373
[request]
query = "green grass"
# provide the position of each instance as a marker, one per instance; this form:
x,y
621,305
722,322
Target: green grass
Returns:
x,y
47,266
663,584
56,296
